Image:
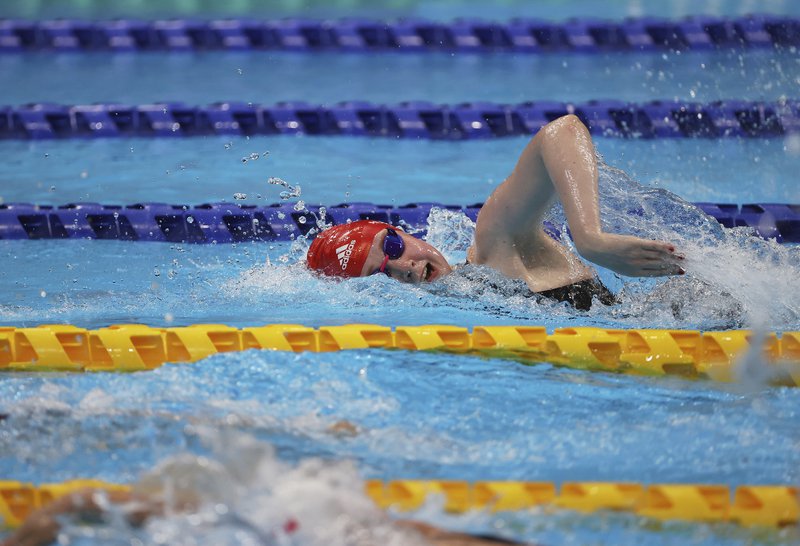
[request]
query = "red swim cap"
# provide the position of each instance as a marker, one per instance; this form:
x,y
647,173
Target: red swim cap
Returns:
x,y
342,250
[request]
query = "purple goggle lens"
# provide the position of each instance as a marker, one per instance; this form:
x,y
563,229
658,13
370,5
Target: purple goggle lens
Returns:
x,y
393,248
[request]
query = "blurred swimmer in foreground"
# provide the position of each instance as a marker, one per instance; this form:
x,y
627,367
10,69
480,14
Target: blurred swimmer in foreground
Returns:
x,y
242,494
559,163
42,526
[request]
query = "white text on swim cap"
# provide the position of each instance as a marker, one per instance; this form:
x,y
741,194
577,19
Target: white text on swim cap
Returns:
x,y
344,252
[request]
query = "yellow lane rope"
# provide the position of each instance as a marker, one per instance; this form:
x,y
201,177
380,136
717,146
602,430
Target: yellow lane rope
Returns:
x,y
132,347
750,505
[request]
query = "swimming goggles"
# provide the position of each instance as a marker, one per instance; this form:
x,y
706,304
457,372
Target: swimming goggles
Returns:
x,y
393,248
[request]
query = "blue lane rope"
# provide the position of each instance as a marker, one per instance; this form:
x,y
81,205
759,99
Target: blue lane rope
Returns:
x,y
416,35
421,120
231,223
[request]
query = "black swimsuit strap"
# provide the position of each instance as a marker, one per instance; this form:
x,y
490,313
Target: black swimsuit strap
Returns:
x,y
580,294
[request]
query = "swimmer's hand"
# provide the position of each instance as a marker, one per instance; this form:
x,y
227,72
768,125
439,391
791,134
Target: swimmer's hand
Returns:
x,y
42,526
631,256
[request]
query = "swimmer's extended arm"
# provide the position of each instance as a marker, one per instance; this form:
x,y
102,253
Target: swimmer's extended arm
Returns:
x,y
559,162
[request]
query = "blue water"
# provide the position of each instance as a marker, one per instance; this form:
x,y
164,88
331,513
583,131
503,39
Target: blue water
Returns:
x,y
336,170
416,415
437,9
327,78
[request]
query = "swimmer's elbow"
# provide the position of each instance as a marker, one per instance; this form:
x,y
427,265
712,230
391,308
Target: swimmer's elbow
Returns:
x,y
569,123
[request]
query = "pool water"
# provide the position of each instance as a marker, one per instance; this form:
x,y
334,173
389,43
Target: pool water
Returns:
x,y
415,415
436,9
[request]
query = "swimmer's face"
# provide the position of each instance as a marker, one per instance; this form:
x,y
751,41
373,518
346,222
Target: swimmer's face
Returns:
x,y
420,262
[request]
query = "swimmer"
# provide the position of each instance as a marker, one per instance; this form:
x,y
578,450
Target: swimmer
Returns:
x,y
42,526
559,163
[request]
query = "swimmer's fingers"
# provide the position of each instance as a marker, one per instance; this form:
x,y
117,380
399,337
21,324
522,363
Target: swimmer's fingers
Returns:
x,y
659,268
661,249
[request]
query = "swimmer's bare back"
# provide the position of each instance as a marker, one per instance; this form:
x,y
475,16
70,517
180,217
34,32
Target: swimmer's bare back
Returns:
x,y
559,163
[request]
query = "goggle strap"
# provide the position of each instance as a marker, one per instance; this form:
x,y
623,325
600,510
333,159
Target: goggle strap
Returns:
x,y
385,261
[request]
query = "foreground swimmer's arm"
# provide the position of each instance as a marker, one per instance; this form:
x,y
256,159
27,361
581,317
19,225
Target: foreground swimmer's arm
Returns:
x,y
42,526
559,162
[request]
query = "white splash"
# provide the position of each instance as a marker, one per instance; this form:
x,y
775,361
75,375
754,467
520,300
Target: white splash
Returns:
x,y
243,494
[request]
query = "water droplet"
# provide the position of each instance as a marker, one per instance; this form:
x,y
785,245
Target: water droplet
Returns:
x,y
52,188
190,219
244,160
239,70
47,155
300,205
281,215
792,144
240,196
43,294
156,272
254,156
302,219
116,215
84,174
172,274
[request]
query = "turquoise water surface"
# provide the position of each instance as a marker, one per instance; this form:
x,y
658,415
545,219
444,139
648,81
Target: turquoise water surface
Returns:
x,y
258,430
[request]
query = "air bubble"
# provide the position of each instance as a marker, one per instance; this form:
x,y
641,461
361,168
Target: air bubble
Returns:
x,y
190,220
240,196
299,206
302,219
43,294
